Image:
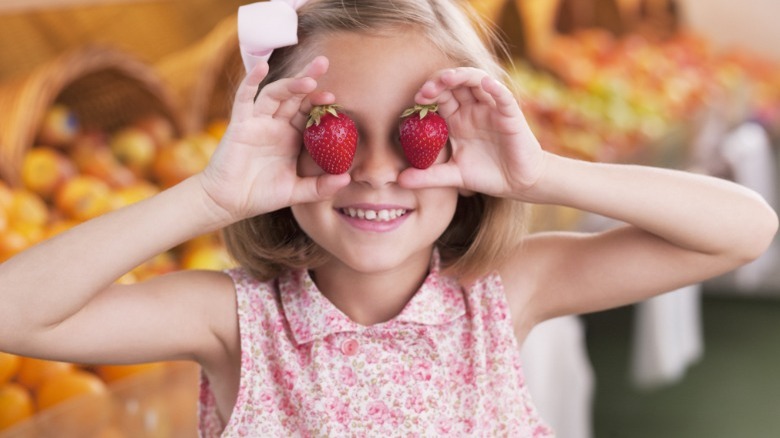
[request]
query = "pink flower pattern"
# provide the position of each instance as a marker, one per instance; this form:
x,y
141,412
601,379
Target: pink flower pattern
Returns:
x,y
447,365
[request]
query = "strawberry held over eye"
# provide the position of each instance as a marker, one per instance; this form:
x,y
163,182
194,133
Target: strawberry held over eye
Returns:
x,y
423,135
331,138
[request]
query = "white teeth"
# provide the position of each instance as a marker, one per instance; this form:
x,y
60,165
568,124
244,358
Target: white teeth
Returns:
x,y
375,215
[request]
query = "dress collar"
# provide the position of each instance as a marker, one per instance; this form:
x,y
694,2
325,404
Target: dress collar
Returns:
x,y
312,316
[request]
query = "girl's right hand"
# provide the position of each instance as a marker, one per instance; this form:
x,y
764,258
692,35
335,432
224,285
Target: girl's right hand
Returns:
x,y
253,170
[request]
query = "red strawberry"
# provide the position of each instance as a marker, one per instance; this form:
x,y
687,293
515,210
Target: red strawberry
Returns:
x,y
331,139
423,134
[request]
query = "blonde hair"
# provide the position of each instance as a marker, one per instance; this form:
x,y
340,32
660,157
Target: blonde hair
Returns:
x,y
484,229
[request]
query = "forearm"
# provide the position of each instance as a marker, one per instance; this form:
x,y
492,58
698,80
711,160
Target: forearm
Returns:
x,y
695,212
54,279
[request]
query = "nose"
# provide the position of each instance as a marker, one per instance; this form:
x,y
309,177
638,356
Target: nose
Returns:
x,y
377,163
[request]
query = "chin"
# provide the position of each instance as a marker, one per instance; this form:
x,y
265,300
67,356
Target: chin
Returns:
x,y
375,260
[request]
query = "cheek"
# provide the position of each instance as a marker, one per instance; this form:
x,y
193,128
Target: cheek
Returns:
x,y
304,214
306,219
443,202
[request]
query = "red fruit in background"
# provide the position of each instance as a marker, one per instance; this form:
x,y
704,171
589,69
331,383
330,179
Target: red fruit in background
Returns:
x,y
423,135
92,155
59,126
158,127
331,139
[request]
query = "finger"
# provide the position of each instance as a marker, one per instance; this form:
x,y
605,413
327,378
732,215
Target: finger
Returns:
x,y
273,95
313,70
506,103
466,83
434,91
298,120
464,96
289,106
453,88
316,68
318,188
482,96
243,105
438,175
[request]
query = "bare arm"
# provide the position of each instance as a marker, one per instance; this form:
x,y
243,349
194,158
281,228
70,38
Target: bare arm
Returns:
x,y
58,299
682,228
58,296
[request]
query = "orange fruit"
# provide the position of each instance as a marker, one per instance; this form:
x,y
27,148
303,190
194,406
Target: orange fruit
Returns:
x,y
34,372
26,207
32,232
217,128
5,196
68,385
58,227
112,373
206,256
206,144
83,198
133,193
16,404
162,263
44,169
11,243
134,148
83,396
179,160
9,365
3,220
127,278
159,128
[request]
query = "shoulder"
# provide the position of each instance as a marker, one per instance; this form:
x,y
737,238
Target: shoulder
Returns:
x,y
528,270
211,294
251,291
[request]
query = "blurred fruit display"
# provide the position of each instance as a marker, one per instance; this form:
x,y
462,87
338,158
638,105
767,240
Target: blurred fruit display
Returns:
x,y
599,97
72,175
16,404
588,94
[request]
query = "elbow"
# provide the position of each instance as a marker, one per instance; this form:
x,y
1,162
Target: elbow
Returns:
x,y
762,231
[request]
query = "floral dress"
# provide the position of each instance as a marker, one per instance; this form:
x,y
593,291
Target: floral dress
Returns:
x,y
447,365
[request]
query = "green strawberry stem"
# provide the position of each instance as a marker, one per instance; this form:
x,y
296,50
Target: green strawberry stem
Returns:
x,y
422,109
318,111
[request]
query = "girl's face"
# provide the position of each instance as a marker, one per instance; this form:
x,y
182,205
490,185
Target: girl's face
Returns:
x,y
373,225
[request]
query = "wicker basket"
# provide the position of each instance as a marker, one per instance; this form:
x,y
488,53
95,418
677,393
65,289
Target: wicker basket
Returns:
x,y
106,88
206,75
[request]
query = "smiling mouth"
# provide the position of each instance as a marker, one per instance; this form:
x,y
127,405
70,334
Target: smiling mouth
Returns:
x,y
383,215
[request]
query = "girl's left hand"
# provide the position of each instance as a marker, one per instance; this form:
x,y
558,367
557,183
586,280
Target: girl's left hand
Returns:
x,y
493,151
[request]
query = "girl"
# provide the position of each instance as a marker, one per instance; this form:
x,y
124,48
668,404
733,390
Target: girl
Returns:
x,y
343,320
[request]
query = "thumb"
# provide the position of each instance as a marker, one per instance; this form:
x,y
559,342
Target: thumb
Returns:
x,y
318,188
438,175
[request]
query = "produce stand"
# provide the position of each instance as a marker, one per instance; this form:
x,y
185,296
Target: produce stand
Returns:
x,y
631,90
154,404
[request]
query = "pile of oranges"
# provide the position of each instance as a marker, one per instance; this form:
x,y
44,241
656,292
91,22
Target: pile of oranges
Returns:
x,y
29,385
72,175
